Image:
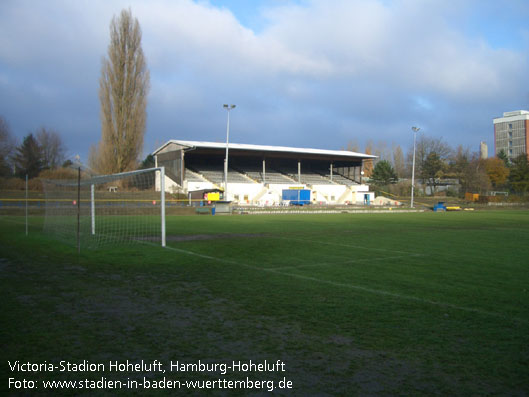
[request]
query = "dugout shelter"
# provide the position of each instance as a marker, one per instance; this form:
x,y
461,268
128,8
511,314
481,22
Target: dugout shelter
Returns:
x,y
258,174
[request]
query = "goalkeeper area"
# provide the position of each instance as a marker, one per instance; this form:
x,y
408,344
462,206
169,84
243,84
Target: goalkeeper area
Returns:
x,y
353,304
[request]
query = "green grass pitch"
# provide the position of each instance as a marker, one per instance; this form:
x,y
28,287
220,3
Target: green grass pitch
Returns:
x,y
353,304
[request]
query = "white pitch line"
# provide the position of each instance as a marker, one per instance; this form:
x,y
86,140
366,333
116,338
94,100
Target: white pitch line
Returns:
x,y
400,296
206,256
345,262
354,287
341,245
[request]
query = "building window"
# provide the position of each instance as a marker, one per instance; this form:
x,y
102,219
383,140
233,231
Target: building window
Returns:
x,y
510,126
510,134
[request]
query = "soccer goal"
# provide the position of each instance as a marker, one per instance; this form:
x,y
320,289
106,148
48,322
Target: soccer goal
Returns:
x,y
94,211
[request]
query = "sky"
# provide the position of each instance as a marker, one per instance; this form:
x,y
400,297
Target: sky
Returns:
x,y
304,73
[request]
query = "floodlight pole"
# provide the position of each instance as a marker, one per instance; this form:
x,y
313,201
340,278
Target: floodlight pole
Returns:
x,y
415,130
228,108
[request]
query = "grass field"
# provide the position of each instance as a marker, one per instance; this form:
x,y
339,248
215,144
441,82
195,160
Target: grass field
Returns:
x,y
353,304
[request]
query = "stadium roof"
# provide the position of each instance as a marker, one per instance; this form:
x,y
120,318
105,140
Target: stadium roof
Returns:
x,y
264,148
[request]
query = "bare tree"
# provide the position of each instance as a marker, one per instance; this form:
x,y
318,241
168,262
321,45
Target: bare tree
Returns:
x,y
425,147
382,151
93,157
474,176
432,170
368,163
7,148
398,161
460,159
123,89
352,146
51,146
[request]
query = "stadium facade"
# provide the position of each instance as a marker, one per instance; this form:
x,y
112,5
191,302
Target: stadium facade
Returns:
x,y
511,133
259,174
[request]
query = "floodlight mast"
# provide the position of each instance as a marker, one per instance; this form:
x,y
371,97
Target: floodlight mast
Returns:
x,y
415,130
228,108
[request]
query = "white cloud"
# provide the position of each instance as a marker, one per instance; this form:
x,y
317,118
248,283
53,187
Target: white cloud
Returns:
x,y
214,42
341,63
407,44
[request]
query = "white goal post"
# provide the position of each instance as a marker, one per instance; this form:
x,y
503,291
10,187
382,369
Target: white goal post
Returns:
x,y
94,211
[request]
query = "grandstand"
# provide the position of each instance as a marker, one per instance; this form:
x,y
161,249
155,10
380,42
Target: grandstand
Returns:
x,y
258,174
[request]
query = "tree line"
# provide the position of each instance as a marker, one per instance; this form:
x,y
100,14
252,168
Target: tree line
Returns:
x,y
40,150
436,162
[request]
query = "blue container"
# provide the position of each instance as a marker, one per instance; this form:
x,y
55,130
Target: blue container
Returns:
x,y
297,196
440,206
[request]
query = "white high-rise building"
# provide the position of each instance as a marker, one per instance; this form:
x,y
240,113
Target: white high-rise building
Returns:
x,y
483,150
511,133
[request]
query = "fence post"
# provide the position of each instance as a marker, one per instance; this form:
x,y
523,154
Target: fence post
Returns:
x,y
79,210
93,208
26,204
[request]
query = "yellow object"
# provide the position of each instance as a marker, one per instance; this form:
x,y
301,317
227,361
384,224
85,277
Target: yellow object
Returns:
x,y
213,196
453,208
471,196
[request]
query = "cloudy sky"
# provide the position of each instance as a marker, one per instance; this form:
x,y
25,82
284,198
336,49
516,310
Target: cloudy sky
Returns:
x,y
306,73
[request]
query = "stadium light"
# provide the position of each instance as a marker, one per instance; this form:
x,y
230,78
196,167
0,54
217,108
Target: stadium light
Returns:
x,y
228,108
415,130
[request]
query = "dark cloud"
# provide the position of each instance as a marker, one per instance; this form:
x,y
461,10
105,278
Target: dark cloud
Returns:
x,y
315,73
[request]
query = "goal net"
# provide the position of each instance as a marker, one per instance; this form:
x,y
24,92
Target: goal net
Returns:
x,y
94,211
